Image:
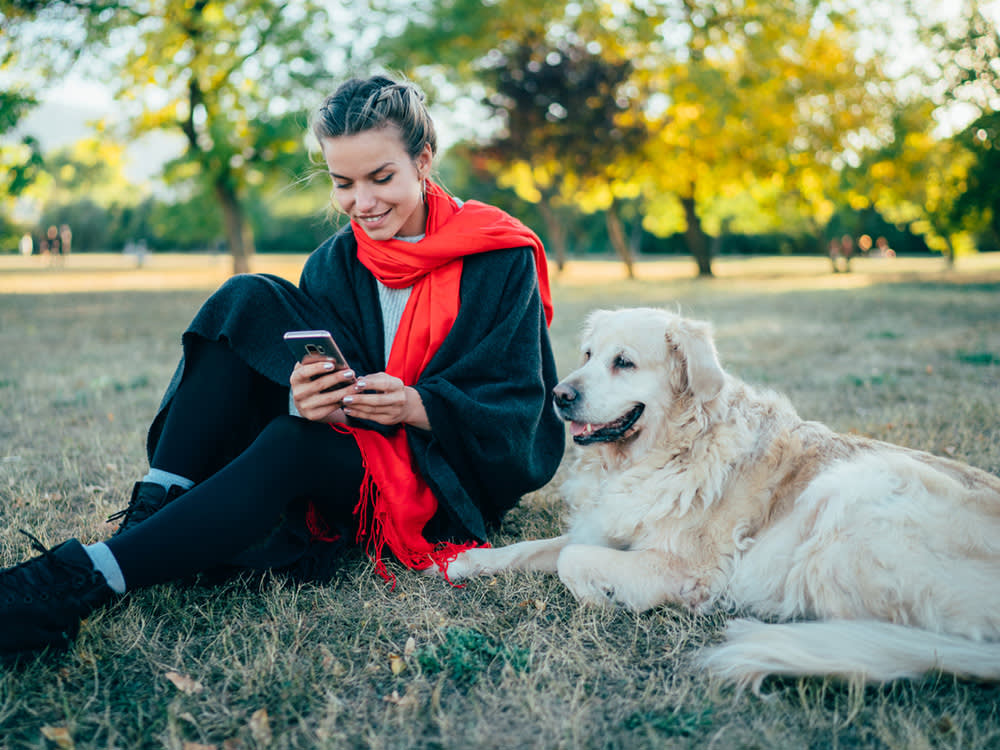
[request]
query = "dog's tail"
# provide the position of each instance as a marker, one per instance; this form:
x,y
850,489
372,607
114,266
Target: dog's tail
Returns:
x,y
864,650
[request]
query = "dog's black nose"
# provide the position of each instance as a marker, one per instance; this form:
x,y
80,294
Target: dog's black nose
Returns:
x,y
564,395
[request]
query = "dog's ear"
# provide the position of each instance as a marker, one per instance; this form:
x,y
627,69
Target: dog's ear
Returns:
x,y
692,340
592,320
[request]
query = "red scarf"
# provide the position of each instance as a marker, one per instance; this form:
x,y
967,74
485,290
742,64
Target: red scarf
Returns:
x,y
396,502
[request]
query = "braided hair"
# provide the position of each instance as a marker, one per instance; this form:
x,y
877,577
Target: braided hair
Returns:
x,y
371,103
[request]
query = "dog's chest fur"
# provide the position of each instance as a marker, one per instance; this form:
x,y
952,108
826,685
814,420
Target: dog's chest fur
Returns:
x,y
706,497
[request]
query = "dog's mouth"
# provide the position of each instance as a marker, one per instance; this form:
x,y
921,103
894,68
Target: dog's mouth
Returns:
x,y
585,433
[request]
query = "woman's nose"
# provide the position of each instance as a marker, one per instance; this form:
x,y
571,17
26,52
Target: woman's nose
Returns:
x,y
364,197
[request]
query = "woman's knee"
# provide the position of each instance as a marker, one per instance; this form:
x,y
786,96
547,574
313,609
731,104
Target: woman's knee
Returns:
x,y
312,446
289,431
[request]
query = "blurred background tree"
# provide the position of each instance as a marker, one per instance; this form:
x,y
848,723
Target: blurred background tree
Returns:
x,y
688,126
235,78
671,108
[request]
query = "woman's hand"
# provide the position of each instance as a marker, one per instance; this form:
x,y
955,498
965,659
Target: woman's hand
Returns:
x,y
318,390
383,398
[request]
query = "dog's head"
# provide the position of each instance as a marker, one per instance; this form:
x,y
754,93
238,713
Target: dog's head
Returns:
x,y
642,369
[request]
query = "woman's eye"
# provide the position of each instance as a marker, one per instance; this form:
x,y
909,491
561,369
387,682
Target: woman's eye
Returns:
x,y
341,185
383,180
623,363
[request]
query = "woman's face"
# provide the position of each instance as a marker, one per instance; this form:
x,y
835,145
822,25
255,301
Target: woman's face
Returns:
x,y
377,184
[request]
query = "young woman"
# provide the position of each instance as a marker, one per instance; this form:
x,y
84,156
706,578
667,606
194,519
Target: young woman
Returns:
x,y
437,427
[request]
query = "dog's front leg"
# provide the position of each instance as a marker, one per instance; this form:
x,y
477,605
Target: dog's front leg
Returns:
x,y
635,579
538,554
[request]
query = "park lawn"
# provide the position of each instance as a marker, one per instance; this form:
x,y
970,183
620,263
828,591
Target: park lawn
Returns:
x,y
906,353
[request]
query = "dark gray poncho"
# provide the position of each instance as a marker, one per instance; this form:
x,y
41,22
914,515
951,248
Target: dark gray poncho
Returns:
x,y
494,435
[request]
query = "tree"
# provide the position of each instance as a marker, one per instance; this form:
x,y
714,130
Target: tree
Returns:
x,y
766,98
969,61
20,161
941,185
981,194
559,90
915,180
234,78
730,95
568,126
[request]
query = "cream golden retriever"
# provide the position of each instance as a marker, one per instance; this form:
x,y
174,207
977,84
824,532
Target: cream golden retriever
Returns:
x,y
695,488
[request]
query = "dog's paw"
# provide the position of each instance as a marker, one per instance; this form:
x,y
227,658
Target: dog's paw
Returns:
x,y
588,586
593,593
466,565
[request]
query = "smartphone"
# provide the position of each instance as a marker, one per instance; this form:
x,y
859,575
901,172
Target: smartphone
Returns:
x,y
309,346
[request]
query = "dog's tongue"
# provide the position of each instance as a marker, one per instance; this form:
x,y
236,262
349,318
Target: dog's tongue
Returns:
x,y
580,428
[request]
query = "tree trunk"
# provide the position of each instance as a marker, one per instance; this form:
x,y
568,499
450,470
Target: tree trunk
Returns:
x,y
696,239
616,235
949,256
238,233
556,231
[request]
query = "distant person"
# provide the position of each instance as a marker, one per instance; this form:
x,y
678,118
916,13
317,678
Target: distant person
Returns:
x,y
833,252
26,245
847,251
441,422
65,239
52,238
882,248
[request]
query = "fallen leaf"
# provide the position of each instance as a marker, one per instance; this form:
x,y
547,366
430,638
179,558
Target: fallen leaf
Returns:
x,y
403,701
260,727
60,736
410,648
184,683
397,663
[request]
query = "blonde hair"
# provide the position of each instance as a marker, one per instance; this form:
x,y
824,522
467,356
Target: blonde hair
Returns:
x,y
371,103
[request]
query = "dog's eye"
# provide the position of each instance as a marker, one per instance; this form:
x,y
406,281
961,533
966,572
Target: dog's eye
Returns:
x,y
586,356
623,363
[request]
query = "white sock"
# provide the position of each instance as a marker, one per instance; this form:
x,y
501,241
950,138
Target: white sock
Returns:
x,y
166,479
106,564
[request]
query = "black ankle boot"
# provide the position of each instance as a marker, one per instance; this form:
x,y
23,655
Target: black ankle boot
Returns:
x,y
147,498
43,600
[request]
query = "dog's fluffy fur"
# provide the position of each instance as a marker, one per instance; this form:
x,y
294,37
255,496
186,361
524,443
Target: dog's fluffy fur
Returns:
x,y
695,488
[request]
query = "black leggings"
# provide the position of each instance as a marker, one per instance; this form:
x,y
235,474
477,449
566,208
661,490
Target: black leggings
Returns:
x,y
229,430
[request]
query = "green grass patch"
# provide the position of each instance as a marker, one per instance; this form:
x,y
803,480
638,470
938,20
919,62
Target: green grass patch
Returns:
x,y
978,358
465,654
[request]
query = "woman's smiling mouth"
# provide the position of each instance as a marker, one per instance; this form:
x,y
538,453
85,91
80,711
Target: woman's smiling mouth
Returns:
x,y
375,218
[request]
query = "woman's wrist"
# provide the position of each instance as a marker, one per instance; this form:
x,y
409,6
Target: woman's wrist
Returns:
x,y
414,414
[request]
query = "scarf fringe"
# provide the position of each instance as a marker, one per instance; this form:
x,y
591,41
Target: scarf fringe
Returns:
x,y
373,520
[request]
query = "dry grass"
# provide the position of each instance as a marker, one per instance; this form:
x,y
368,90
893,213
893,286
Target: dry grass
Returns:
x,y
903,352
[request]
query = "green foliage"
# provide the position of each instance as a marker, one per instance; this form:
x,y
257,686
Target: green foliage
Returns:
x,y
13,106
981,194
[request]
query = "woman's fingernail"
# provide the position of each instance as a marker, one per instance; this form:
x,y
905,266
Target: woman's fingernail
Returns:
x,y
348,374
360,384
328,365
348,399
